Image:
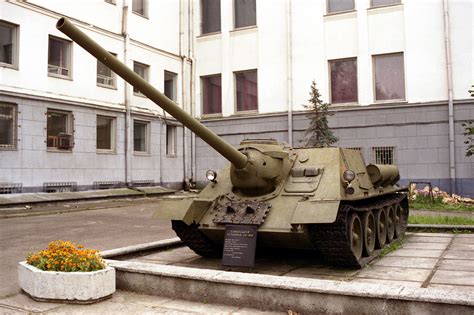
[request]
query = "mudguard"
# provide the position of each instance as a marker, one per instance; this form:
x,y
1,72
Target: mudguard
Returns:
x,y
187,210
310,212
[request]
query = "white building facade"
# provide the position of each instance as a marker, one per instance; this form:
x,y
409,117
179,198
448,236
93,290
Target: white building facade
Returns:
x,y
397,74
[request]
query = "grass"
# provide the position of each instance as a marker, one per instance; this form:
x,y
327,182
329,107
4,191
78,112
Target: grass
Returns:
x,y
392,247
446,220
424,202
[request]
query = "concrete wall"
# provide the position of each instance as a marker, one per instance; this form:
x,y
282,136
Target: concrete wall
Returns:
x,y
418,133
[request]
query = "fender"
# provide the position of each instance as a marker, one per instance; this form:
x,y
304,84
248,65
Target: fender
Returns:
x,y
187,210
310,212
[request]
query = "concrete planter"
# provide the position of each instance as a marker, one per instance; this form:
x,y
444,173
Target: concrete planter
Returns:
x,y
76,287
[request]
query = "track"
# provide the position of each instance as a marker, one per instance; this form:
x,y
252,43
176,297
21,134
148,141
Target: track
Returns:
x,y
333,241
194,239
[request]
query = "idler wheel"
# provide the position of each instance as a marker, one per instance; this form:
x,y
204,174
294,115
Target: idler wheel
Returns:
x,y
398,220
390,223
381,223
369,226
355,236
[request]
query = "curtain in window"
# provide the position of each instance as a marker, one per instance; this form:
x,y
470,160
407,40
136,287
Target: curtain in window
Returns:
x,y
211,95
245,13
247,90
6,44
343,81
389,77
210,16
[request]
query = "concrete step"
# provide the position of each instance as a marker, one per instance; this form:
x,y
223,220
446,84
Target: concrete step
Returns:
x,y
431,273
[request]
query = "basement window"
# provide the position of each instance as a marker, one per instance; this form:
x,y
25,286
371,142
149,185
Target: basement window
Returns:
x,y
383,155
8,129
59,126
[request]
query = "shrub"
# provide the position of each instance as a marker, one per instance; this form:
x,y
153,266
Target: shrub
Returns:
x,y
64,256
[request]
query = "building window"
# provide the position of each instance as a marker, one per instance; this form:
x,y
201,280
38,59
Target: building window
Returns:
x,y
8,129
59,57
245,13
59,126
210,16
142,70
105,76
343,80
389,77
170,140
380,3
170,85
140,7
105,133
334,6
211,95
247,90
140,136
8,44
383,155
110,1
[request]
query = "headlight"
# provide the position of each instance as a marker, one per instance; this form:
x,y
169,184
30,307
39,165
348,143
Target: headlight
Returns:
x,y
211,175
348,175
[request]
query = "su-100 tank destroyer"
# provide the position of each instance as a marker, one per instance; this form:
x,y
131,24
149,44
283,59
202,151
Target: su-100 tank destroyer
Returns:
x,y
324,199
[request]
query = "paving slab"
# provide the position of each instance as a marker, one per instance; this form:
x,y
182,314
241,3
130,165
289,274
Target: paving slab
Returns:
x,y
425,246
394,273
412,284
453,277
407,262
422,234
22,302
428,253
463,240
456,264
427,239
460,254
462,246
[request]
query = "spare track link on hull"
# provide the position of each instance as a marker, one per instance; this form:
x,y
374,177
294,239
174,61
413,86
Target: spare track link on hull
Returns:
x,y
194,239
331,239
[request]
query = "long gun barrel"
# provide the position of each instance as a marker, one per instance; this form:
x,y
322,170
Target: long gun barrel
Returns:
x,y
238,159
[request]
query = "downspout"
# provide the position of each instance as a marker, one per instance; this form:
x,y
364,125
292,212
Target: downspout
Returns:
x,y
449,73
126,88
192,83
289,72
183,91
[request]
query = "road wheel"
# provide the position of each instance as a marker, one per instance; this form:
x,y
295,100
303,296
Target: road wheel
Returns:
x,y
398,220
355,235
381,221
368,224
390,223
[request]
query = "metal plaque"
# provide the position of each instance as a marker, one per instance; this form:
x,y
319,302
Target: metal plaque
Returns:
x,y
240,243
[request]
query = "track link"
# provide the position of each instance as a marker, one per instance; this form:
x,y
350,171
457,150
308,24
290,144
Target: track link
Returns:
x,y
194,239
332,239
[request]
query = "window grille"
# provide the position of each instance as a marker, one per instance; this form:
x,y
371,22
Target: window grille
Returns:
x,y
10,188
8,126
384,155
53,187
354,148
143,183
99,185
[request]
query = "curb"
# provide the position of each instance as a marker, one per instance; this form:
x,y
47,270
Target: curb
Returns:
x,y
440,227
140,248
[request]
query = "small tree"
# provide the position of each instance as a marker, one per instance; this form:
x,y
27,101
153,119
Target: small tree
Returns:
x,y
318,133
469,140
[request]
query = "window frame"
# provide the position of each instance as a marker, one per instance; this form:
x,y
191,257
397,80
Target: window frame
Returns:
x,y
202,94
174,142
69,55
113,134
14,145
15,33
201,7
69,130
145,77
374,82
380,149
356,102
234,15
235,73
147,124
175,84
111,1
145,10
113,77
339,12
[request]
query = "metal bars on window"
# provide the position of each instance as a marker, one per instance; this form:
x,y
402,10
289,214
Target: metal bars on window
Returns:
x,y
383,155
8,126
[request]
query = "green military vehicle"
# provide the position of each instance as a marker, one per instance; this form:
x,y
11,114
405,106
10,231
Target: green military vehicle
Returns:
x,y
324,199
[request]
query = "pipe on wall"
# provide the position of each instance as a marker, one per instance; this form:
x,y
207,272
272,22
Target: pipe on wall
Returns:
x,y
192,83
289,72
126,88
449,74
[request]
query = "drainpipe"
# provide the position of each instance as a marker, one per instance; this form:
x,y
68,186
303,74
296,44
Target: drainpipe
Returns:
x,y
126,87
449,73
192,83
183,90
289,72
